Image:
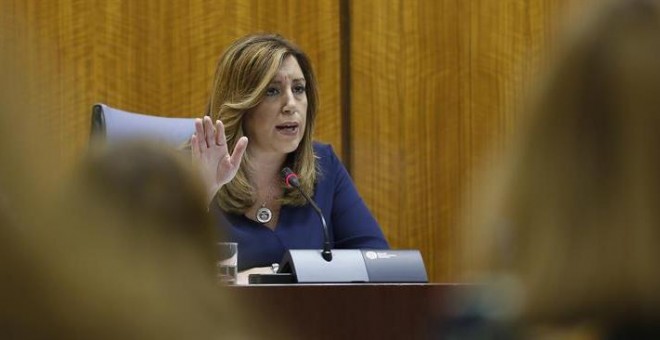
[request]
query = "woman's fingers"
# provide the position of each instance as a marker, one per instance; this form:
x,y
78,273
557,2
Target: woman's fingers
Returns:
x,y
194,142
208,130
239,150
199,131
209,145
220,138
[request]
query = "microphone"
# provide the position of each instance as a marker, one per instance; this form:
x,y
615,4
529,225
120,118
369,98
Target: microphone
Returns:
x,y
292,180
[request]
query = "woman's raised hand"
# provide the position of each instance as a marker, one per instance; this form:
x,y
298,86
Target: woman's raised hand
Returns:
x,y
210,153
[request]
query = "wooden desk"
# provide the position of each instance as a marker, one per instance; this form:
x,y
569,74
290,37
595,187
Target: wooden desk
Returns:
x,y
350,311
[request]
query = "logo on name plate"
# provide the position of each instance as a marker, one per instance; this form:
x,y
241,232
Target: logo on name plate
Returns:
x,y
373,255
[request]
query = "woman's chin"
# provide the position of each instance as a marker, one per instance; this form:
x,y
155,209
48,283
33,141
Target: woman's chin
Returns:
x,y
289,147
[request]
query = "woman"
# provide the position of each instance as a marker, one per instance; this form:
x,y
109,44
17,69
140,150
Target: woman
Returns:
x,y
265,91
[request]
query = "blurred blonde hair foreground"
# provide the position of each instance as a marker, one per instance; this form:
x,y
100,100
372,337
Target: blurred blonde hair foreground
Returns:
x,y
146,185
96,260
574,213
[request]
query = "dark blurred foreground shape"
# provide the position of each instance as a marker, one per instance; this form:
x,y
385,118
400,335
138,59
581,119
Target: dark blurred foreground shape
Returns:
x,y
571,227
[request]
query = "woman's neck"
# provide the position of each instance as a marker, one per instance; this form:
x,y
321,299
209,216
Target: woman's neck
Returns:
x,y
266,168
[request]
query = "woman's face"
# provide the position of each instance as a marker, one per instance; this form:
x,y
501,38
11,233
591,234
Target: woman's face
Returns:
x,y
277,124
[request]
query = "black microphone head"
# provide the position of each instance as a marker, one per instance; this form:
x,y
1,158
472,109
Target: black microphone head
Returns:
x,y
290,177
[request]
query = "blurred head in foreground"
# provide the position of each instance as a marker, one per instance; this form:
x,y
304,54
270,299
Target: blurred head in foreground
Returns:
x,y
121,253
124,252
576,220
147,186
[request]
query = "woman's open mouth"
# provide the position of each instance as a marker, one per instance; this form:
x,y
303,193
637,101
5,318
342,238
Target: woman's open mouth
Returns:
x,y
287,128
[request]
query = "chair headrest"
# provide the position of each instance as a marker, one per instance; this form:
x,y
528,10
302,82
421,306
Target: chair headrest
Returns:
x,y
113,125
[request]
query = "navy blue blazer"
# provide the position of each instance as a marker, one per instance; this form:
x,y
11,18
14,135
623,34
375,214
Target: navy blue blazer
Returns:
x,y
349,221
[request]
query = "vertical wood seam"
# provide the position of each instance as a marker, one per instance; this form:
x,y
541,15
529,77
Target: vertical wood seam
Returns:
x,y
345,83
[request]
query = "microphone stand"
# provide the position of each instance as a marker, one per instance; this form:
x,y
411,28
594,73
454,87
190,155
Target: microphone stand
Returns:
x,y
292,179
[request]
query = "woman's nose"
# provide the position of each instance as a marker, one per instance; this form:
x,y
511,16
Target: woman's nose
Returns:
x,y
289,102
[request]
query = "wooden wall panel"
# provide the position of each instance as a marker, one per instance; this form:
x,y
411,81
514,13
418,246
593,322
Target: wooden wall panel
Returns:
x,y
159,56
405,110
435,86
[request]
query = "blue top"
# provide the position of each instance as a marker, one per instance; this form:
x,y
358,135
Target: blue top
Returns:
x,y
350,224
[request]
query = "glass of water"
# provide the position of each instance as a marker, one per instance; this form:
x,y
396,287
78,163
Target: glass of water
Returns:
x,y
228,262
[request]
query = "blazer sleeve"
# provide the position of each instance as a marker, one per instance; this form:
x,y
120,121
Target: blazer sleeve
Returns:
x,y
353,225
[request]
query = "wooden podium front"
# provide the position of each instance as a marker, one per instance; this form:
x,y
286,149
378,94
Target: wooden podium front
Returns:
x,y
349,311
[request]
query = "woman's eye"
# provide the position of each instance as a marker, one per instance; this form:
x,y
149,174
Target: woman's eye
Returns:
x,y
299,89
271,91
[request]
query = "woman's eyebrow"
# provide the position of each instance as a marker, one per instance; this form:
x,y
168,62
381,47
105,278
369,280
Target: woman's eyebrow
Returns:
x,y
301,79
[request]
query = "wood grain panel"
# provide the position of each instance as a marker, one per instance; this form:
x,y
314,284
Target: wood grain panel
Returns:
x,y
159,56
435,87
405,100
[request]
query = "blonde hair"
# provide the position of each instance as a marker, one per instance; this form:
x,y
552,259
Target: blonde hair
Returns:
x,y
243,74
579,220
146,184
